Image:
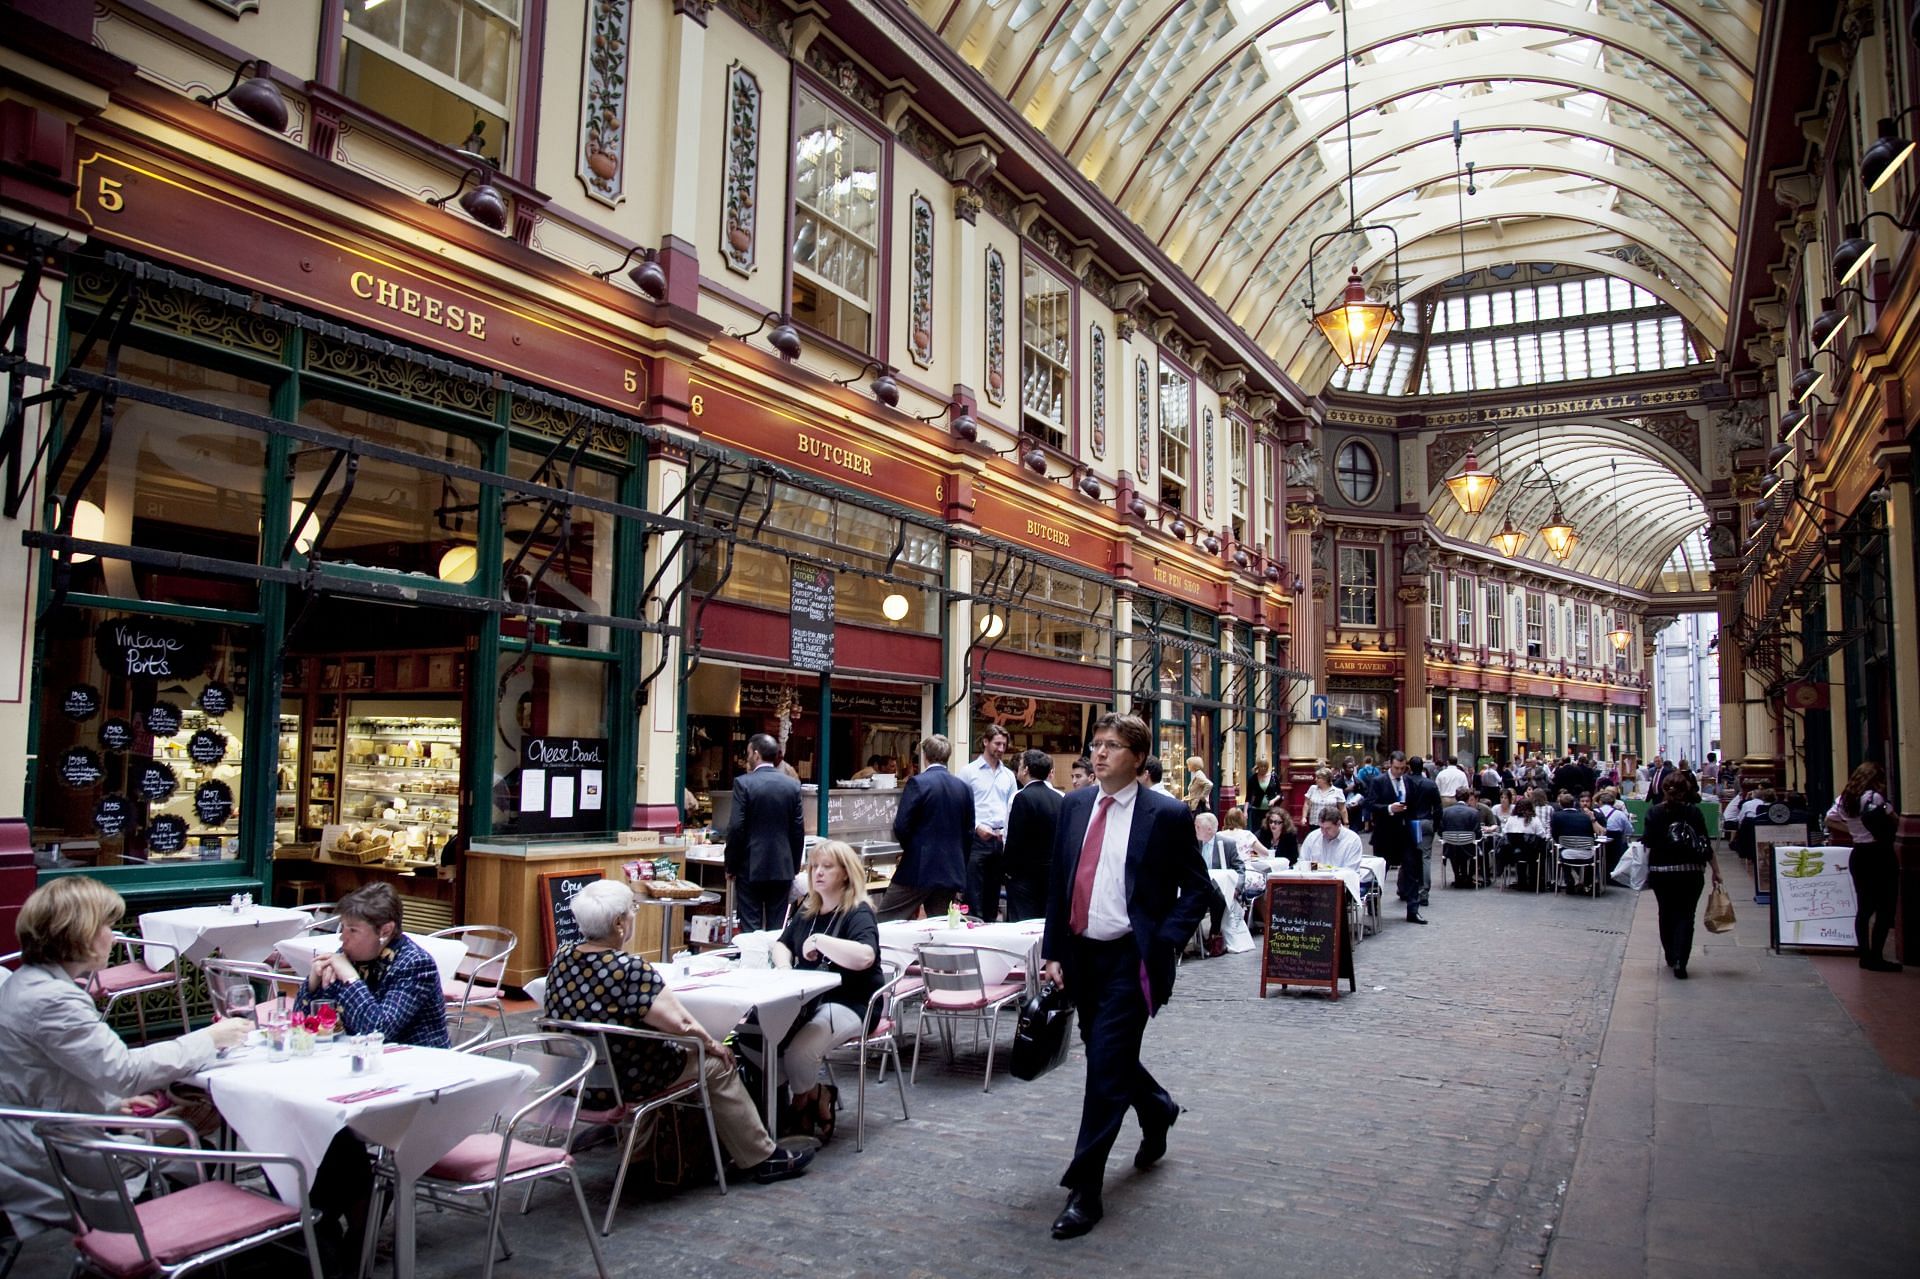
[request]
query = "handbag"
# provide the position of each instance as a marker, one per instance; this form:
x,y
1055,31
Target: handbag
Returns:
x,y
1040,1041
1719,910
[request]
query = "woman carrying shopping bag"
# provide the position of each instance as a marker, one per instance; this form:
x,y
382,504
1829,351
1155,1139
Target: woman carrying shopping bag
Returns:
x,y
1679,857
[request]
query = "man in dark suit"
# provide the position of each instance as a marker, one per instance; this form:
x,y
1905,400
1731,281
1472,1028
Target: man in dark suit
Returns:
x,y
1128,890
765,837
1391,797
933,825
1577,777
1424,808
1031,821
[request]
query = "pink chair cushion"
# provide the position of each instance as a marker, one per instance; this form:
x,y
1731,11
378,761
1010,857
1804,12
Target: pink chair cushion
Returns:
x,y
955,1000
123,977
184,1223
455,991
478,1157
908,989
882,1028
619,1114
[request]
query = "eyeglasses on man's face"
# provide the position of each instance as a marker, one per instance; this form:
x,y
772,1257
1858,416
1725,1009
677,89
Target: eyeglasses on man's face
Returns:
x,y
1107,744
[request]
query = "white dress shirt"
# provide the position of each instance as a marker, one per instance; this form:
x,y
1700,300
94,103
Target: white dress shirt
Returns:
x,y
1107,909
1344,851
993,790
1452,780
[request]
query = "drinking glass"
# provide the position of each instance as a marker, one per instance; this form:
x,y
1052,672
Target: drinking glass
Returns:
x,y
232,997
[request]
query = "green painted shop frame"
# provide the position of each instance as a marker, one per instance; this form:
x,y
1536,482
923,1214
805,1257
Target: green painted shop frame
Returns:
x,y
116,303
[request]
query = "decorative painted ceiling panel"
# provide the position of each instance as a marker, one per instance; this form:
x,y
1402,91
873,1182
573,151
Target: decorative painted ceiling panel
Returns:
x,y
1221,127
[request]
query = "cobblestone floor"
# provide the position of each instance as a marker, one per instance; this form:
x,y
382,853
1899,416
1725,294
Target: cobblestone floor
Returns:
x,y
1425,1126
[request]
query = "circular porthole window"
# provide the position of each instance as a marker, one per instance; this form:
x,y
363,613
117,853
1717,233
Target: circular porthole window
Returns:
x,y
1357,471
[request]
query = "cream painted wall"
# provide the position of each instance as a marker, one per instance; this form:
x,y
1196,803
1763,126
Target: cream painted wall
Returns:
x,y
727,43
284,32
913,175
1004,415
18,570
1096,314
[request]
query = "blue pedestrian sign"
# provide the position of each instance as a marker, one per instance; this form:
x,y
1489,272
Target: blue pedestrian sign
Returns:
x,y
1319,705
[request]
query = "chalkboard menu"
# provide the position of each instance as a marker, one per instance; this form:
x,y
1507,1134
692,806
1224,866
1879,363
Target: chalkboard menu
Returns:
x,y
213,803
216,699
150,648
80,768
556,916
167,835
207,747
163,719
110,815
153,781
810,614
1306,942
82,702
563,784
116,734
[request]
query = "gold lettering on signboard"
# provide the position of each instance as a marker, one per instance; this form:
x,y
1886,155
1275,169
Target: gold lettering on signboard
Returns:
x,y
1048,533
396,297
834,454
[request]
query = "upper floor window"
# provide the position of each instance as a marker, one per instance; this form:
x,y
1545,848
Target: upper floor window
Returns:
x,y
1359,586
1046,353
1239,442
1436,606
836,222
1270,497
1357,471
1536,624
443,68
1582,632
1463,589
1176,436
1496,616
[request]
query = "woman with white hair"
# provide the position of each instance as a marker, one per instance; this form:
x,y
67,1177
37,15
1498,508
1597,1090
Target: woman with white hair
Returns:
x,y
596,980
835,930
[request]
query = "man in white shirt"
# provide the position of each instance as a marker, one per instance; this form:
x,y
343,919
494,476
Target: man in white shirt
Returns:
x,y
1452,780
993,787
1332,845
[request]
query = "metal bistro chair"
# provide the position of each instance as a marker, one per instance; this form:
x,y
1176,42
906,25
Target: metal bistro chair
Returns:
x,y
883,1015
1579,861
102,1171
135,976
1452,840
325,916
476,984
10,1241
519,1148
281,987
629,1112
956,990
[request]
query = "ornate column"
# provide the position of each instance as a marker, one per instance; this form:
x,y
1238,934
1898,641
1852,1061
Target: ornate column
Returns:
x,y
656,792
1308,543
1123,658
958,725
681,146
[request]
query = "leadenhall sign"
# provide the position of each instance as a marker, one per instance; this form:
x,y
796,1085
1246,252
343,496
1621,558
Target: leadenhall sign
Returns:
x,y
1572,406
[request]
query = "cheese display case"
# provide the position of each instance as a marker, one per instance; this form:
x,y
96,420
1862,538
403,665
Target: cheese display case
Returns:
x,y
400,779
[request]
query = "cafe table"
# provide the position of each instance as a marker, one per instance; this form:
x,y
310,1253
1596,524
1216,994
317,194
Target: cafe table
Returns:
x,y
249,934
718,996
1004,944
419,1103
298,953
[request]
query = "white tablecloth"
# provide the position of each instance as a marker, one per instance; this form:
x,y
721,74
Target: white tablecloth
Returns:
x,y
198,931
1345,874
1021,937
300,952
284,1107
719,999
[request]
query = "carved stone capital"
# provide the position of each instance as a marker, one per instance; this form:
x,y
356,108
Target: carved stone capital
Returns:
x,y
1305,514
698,10
1414,594
967,203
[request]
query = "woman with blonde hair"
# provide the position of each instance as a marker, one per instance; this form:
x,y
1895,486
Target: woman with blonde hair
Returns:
x,y
1199,786
835,930
60,1054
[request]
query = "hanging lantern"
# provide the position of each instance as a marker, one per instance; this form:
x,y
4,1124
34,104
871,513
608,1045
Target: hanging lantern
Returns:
x,y
1356,326
1509,539
1473,488
1621,635
1559,535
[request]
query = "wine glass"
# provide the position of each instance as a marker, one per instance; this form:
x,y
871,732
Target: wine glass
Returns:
x,y
234,997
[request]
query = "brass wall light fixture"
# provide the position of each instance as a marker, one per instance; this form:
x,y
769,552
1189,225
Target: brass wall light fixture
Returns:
x,y
484,203
254,96
883,388
1887,152
649,277
783,338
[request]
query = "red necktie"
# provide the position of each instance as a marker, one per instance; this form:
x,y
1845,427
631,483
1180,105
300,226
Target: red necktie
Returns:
x,y
1089,865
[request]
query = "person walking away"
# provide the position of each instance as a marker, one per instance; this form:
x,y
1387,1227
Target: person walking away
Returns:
x,y
933,825
1451,781
1128,890
991,781
1390,798
1199,785
1031,819
765,837
1679,856
1862,817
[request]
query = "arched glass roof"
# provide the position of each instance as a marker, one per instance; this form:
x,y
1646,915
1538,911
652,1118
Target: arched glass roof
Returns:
x,y
1609,134
1623,492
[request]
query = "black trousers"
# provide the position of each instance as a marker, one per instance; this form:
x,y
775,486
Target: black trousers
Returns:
x,y
1876,888
1027,894
904,901
986,870
761,905
1678,894
1105,981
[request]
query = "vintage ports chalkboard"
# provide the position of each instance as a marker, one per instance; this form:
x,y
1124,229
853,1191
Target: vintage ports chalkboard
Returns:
x,y
153,781
213,803
110,815
207,747
1306,942
150,648
216,699
116,734
167,835
80,768
81,703
162,719
556,916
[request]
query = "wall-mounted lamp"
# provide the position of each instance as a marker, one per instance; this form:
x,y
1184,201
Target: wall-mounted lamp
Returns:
x,y
483,204
883,387
1179,527
648,277
1210,544
1088,483
784,339
256,96
1887,152
1805,383
459,565
894,607
1777,455
1855,252
992,625
1827,325
89,525
963,428
1241,559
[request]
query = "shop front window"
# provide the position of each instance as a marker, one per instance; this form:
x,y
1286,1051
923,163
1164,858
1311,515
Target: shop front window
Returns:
x,y
578,575
176,482
141,738
542,696
1441,731
1356,723
1466,735
836,222
1045,613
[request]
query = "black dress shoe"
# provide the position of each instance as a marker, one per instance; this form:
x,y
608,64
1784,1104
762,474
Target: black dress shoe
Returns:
x,y
1082,1213
1153,1142
1413,917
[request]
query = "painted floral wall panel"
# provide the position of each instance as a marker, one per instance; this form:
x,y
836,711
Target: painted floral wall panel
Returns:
x,y
920,282
603,101
1097,370
740,189
1206,460
996,327
1143,423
